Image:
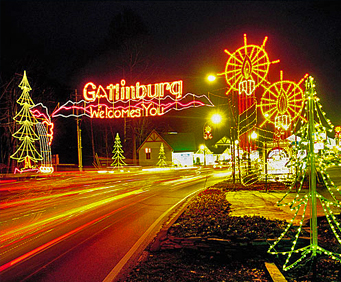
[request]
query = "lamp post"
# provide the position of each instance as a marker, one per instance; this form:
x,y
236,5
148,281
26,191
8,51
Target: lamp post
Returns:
x,y
252,136
216,119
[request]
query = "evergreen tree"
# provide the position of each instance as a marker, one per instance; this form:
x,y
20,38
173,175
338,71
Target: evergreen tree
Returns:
x,y
162,157
118,153
26,150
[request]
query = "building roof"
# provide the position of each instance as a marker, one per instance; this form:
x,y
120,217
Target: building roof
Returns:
x,y
180,142
177,142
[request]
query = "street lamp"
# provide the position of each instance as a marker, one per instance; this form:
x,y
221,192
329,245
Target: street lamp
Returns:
x,y
211,78
253,136
216,118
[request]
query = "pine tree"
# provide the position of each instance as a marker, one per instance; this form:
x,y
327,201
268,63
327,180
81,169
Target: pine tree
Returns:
x,y
309,167
118,153
162,157
26,150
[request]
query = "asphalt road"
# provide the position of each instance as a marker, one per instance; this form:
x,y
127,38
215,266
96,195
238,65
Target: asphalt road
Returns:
x,y
79,226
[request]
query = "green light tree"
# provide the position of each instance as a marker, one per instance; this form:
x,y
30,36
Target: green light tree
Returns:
x,y
118,153
26,151
309,165
162,157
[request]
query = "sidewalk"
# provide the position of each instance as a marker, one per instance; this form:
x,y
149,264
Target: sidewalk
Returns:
x,y
259,203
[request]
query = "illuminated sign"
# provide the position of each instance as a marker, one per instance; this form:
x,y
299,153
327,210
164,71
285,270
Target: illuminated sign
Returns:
x,y
140,98
116,92
119,100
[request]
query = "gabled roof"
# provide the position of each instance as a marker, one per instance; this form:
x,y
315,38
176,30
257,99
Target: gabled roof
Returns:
x,y
177,142
223,142
180,142
154,136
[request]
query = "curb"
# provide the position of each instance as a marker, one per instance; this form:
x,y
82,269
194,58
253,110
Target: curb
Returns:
x,y
274,272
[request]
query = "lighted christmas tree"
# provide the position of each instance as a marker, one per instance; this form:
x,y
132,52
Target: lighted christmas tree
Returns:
x,y
26,150
162,157
118,153
310,164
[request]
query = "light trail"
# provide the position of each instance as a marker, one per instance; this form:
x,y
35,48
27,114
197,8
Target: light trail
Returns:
x,y
20,233
59,239
36,211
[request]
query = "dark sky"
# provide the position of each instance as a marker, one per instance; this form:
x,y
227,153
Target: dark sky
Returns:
x,y
189,37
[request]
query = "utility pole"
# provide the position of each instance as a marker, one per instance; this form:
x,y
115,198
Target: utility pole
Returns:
x,y
79,139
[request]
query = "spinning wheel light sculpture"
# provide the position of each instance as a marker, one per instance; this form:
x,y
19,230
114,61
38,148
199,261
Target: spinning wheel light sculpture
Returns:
x,y
247,67
282,102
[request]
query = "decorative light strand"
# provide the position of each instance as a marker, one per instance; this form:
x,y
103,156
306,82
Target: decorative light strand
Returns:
x,y
302,167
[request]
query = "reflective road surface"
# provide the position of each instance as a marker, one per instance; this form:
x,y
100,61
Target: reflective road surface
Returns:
x,y
78,226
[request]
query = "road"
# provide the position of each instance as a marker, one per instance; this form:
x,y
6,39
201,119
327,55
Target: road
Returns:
x,y
79,226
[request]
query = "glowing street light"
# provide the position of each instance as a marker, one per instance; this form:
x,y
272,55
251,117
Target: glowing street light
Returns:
x,y
216,118
211,78
254,135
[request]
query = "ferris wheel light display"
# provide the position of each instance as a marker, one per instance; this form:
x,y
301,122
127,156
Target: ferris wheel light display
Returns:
x,y
282,102
247,67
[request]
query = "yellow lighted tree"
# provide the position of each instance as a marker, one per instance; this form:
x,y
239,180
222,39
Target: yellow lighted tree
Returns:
x,y
26,151
162,157
118,153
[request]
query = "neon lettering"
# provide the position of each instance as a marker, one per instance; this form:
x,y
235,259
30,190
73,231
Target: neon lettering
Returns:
x,y
140,94
86,92
160,98
122,92
146,109
176,89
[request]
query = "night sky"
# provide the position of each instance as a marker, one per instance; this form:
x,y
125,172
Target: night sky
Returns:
x,y
188,40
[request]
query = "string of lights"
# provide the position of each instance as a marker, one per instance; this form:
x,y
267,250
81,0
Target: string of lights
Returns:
x,y
303,167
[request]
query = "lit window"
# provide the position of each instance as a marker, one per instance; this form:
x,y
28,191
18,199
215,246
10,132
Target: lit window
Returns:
x,y
148,151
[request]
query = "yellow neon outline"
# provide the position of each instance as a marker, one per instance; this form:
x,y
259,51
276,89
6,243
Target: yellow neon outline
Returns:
x,y
269,101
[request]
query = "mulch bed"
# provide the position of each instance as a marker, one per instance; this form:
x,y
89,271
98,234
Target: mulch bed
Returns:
x,y
207,216
188,265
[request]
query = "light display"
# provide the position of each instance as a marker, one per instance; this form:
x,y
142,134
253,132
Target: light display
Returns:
x,y
26,151
42,113
247,67
277,160
120,92
118,153
245,70
207,132
282,102
307,165
131,108
45,149
45,131
279,105
162,157
338,135
337,131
